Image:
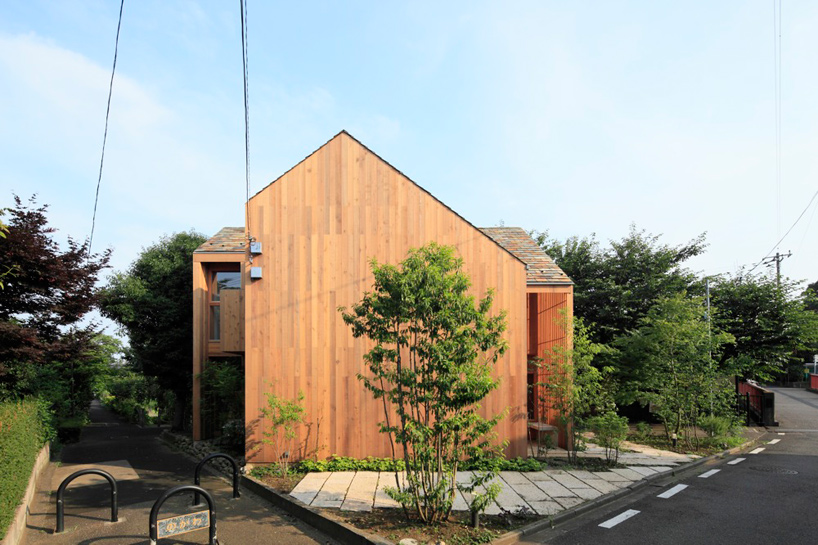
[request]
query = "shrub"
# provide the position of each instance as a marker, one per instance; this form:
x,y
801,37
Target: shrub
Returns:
x,y
282,415
24,427
610,430
715,426
643,430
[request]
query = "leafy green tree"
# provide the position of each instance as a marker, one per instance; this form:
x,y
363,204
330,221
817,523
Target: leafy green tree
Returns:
x,y
616,286
152,303
669,357
435,347
810,296
45,348
770,324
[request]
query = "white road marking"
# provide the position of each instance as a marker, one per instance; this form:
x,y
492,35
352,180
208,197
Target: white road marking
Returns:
x,y
619,518
672,492
736,461
709,474
774,441
756,451
781,433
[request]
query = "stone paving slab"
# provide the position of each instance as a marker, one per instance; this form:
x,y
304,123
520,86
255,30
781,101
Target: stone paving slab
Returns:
x,y
603,486
569,481
310,485
643,470
334,491
555,489
508,499
629,474
581,474
537,476
610,476
361,493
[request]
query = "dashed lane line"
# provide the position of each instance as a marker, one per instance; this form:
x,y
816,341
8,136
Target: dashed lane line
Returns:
x,y
773,442
756,451
708,474
610,523
672,492
736,461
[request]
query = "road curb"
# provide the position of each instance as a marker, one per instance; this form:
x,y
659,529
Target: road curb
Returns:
x,y
517,535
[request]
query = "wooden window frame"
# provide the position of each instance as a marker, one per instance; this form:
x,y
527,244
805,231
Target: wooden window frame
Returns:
x,y
212,272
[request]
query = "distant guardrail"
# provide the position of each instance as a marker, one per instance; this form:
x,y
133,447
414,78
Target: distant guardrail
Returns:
x,y
758,402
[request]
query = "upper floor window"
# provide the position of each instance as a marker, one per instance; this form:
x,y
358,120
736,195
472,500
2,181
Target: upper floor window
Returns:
x,y
220,281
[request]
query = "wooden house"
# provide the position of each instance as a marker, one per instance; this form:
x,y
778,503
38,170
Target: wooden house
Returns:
x,y
269,293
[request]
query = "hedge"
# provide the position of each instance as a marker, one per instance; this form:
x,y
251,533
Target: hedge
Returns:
x,y
24,429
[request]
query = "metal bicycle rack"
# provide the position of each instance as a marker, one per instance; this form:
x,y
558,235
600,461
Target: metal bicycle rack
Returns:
x,y
67,481
197,476
183,523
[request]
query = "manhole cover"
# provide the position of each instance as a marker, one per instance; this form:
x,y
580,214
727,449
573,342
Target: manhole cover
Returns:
x,y
774,469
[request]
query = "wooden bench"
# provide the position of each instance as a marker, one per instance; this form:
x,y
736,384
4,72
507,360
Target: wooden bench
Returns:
x,y
541,427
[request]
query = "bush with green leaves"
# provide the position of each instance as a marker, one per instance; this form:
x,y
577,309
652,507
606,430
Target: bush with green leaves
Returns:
x,y
370,463
643,430
282,416
716,426
609,432
25,426
431,364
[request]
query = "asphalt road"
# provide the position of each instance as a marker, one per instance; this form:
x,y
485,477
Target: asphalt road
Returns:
x,y
766,496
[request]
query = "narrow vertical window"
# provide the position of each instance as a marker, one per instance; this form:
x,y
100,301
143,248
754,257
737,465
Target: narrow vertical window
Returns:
x,y
220,281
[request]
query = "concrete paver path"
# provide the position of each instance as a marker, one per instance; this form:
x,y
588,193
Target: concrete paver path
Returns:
x,y
543,492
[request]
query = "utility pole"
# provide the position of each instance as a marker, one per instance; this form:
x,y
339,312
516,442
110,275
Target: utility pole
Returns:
x,y
777,258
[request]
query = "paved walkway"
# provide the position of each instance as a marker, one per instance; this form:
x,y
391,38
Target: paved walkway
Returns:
x,y
144,468
543,492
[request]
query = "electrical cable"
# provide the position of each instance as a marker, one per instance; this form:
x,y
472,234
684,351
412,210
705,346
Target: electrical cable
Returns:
x,y
105,134
245,69
787,233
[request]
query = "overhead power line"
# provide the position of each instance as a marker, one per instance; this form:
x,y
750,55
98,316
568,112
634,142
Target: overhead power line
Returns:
x,y
804,211
245,69
105,134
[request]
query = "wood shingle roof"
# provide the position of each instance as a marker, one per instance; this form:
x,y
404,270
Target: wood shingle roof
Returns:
x,y
227,240
540,268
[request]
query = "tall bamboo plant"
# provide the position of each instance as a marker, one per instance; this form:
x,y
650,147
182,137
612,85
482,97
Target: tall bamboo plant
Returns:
x,y
431,366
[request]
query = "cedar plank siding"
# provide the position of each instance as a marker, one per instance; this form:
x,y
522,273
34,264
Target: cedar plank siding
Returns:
x,y
320,224
549,309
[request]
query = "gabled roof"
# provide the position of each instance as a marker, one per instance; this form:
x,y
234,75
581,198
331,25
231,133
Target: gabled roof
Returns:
x,y
390,165
229,240
540,268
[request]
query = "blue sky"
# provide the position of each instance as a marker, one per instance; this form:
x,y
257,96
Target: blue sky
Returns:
x,y
573,118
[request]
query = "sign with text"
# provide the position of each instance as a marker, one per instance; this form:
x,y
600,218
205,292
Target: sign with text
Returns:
x,y
183,524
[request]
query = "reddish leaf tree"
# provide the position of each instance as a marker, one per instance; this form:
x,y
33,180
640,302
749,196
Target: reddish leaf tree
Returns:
x,y
44,297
